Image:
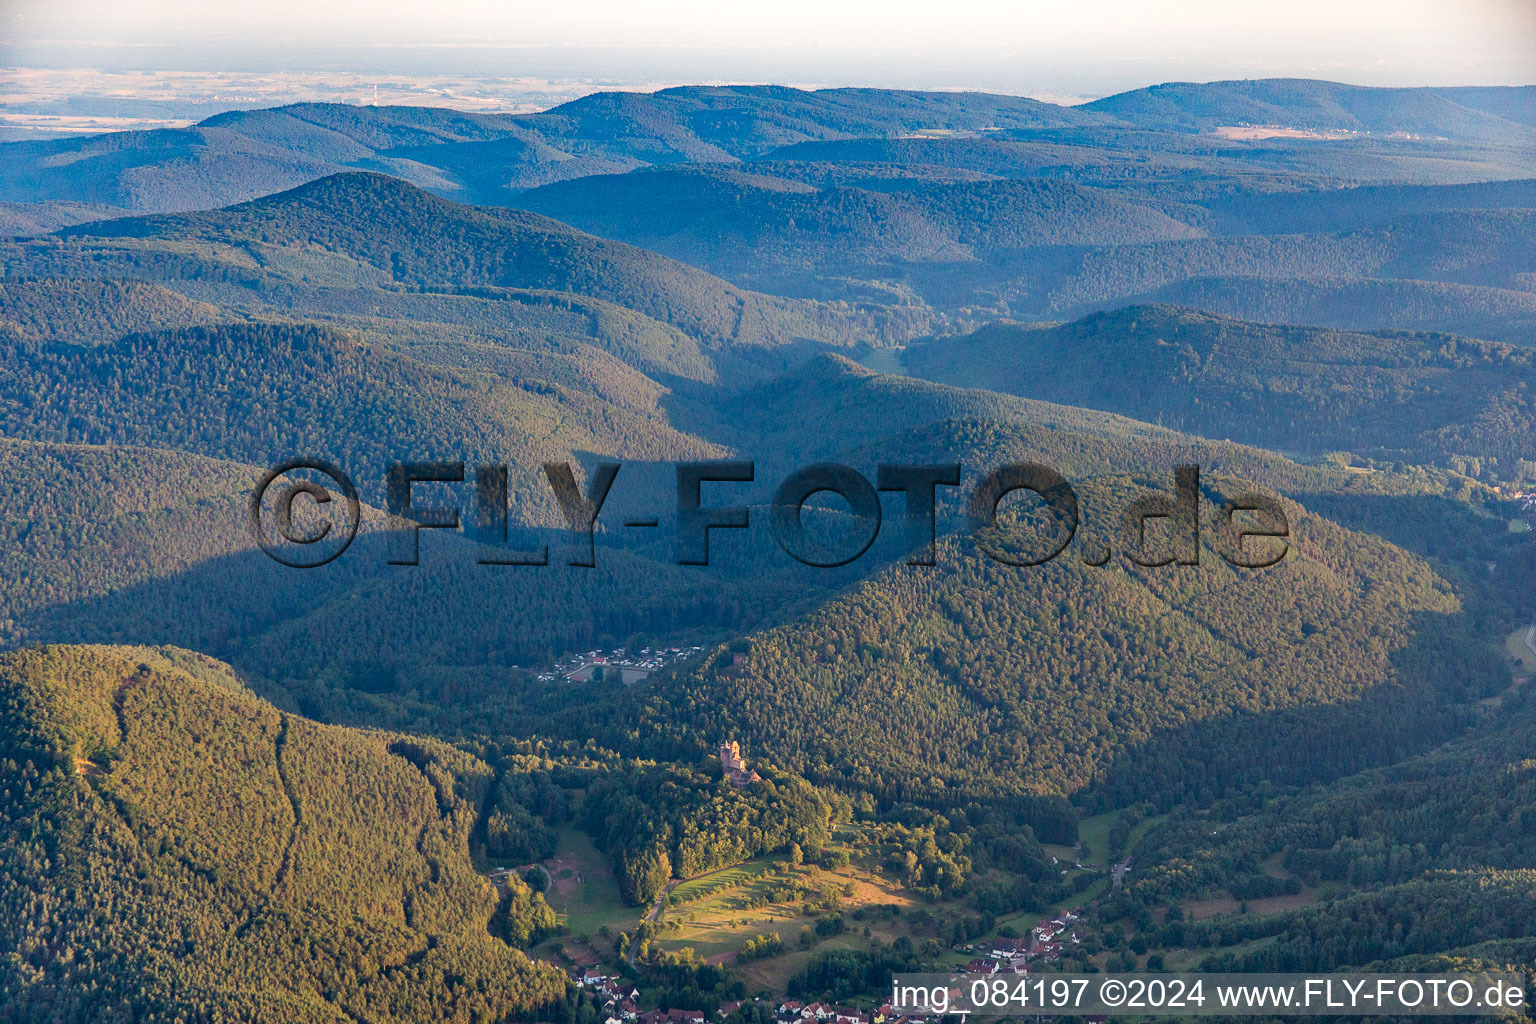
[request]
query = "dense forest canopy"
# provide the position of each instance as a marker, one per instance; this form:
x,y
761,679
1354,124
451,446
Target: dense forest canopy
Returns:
x,y
193,846
1422,398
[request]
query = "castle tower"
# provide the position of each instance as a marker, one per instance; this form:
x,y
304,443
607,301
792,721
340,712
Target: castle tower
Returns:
x,y
730,757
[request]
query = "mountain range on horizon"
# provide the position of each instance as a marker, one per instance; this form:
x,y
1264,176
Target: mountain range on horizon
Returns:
x,y
487,158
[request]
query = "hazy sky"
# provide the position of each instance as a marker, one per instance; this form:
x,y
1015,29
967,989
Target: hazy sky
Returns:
x,y
1070,44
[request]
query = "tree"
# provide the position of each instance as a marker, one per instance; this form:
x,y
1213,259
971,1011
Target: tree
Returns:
x,y
644,877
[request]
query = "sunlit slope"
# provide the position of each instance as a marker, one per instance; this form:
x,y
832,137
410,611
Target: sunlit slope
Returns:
x,y
201,852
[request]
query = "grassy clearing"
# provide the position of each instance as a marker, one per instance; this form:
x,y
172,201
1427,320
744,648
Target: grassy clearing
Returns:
x,y
732,907
585,893
1189,959
718,884
723,921
1095,891
1199,910
1065,856
1274,866
1520,656
1094,833
773,975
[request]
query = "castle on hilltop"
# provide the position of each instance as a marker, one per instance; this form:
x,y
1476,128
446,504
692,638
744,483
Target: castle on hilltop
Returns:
x,y
734,767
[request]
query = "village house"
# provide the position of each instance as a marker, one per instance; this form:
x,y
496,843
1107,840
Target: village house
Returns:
x,y
673,1017
613,992
1007,949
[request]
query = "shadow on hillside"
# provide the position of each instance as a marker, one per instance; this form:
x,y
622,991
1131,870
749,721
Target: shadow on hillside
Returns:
x,y
1452,662
1494,562
360,637
433,646
1257,752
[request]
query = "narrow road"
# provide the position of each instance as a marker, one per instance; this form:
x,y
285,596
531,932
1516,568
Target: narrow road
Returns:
x,y
651,915
549,879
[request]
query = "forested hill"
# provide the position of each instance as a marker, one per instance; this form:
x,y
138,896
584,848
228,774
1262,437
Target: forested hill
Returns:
x,y
1502,116
1467,806
258,393
23,219
744,221
244,154
121,544
734,122
974,679
1445,258
241,155
1419,397
80,522
1429,859
202,855
92,310
372,229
